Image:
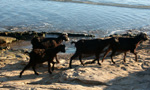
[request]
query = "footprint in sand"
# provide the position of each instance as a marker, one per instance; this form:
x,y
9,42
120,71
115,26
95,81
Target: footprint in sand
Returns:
x,y
123,68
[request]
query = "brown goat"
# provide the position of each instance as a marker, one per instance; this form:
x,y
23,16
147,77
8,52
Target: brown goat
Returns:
x,y
44,43
94,46
125,45
42,55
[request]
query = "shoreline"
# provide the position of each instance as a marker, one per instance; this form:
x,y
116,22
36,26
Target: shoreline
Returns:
x,y
22,40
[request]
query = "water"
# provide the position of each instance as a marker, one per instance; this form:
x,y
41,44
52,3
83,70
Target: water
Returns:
x,y
99,17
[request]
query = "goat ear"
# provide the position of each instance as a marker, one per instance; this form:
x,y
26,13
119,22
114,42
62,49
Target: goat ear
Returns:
x,y
116,39
142,34
35,36
145,35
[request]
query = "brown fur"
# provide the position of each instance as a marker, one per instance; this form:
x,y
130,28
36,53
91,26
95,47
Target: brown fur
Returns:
x,y
44,43
41,55
125,45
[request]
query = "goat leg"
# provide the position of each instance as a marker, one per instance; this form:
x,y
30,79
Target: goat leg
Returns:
x,y
93,61
135,53
74,56
56,59
70,63
98,61
53,66
33,67
80,58
26,67
112,54
106,54
124,59
135,56
49,67
97,58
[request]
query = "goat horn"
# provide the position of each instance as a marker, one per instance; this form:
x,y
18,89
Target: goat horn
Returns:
x,y
65,33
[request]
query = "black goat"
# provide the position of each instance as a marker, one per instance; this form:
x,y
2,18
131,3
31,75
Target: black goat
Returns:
x,y
42,55
94,46
125,45
44,43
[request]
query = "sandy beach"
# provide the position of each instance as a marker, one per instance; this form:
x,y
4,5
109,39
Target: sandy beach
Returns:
x,y
21,20
121,76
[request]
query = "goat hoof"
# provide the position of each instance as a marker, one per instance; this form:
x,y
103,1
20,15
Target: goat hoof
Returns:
x,y
114,63
52,69
19,76
124,62
56,62
99,64
36,74
92,62
50,72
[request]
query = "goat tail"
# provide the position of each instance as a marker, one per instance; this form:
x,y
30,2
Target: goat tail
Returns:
x,y
73,42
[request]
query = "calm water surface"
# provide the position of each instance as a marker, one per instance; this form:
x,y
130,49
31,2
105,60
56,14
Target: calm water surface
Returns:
x,y
103,16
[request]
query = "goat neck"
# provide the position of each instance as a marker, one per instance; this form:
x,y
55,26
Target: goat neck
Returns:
x,y
59,40
138,39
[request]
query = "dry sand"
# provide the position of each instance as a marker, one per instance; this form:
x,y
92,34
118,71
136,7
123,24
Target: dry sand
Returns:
x,y
121,76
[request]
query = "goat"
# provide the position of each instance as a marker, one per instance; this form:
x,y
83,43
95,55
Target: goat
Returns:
x,y
125,45
94,46
44,43
43,55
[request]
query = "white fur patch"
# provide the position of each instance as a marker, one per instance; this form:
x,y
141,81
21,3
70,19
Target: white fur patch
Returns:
x,y
68,39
